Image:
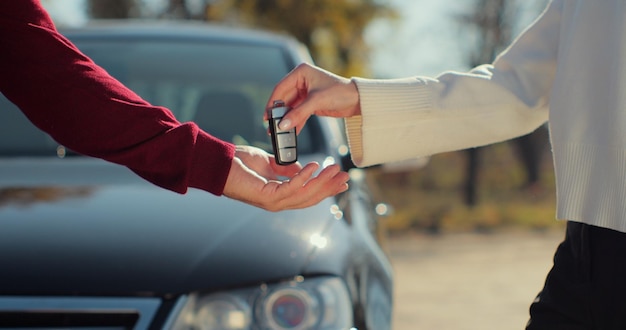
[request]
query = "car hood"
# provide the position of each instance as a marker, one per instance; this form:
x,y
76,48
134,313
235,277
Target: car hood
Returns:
x,y
84,226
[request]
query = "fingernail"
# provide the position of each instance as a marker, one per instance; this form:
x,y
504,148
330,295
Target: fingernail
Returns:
x,y
284,124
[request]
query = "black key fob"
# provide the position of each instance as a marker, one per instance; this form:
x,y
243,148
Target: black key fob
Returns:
x,y
284,142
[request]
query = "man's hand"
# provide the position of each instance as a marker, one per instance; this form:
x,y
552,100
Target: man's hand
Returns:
x,y
310,90
254,179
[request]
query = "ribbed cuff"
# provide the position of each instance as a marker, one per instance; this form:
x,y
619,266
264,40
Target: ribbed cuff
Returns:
x,y
211,164
384,106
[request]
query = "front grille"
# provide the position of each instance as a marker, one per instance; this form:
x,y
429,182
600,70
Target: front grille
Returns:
x,y
53,313
68,319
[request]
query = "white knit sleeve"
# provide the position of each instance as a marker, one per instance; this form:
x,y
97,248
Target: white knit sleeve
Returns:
x,y
419,116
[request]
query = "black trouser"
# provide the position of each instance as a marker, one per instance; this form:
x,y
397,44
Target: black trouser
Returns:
x,y
586,287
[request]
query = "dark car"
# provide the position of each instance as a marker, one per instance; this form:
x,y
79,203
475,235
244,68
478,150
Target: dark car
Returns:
x,y
86,244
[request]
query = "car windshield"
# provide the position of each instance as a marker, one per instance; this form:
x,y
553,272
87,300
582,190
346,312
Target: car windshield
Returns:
x,y
223,87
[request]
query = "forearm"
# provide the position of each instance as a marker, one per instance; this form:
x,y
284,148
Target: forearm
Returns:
x,y
412,117
82,107
402,120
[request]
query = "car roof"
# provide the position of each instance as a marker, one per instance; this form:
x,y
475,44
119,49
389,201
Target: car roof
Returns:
x,y
186,30
163,29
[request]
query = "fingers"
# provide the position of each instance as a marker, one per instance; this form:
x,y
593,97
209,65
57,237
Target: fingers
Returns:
x,y
297,181
300,192
295,89
310,90
285,170
298,115
291,86
278,196
329,182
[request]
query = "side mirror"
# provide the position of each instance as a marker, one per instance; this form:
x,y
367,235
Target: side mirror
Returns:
x,y
346,162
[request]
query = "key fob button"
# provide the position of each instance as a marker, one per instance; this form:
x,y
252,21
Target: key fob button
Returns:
x,y
286,140
287,154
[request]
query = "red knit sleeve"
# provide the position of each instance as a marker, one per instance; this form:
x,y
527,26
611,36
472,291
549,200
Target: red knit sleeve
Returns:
x,y
82,107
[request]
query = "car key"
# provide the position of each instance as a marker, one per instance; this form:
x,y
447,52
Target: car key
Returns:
x,y
284,142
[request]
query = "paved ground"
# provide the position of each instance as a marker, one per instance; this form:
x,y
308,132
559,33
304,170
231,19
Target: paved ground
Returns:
x,y
469,281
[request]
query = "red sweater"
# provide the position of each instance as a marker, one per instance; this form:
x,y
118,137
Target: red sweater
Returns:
x,y
83,108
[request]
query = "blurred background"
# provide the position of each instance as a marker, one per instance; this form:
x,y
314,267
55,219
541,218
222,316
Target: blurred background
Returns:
x,y
509,184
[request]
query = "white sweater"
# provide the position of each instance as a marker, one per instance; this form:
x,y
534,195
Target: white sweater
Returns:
x,y
568,66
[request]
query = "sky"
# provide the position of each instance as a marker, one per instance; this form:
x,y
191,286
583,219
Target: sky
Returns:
x,y
426,40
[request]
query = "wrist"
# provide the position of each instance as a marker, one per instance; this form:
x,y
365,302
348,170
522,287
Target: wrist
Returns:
x,y
355,98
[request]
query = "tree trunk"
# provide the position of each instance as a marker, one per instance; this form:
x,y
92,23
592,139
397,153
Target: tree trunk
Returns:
x,y
110,9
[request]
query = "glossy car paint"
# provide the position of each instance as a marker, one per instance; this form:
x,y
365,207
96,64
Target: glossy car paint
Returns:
x,y
78,226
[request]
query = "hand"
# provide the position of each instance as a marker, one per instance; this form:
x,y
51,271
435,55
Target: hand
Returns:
x,y
254,179
310,90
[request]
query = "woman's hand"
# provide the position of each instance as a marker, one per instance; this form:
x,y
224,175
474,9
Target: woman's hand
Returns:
x,y
310,90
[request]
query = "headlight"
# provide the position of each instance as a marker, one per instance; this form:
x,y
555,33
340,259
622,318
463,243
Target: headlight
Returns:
x,y
289,308
316,303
